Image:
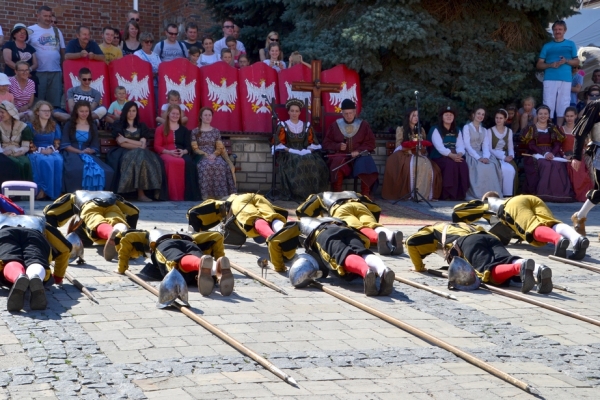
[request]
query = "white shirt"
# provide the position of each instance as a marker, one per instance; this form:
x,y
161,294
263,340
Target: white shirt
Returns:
x,y
275,67
152,58
438,143
507,138
485,146
47,48
207,60
220,44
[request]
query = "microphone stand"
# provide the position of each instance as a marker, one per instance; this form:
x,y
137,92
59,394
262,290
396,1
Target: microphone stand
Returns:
x,y
414,194
273,193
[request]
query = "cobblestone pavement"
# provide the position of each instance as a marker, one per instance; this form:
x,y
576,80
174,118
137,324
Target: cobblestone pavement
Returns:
x,y
125,347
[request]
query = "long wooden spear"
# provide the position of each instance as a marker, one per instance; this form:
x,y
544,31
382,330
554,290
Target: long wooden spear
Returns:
x,y
575,263
424,287
219,333
252,275
82,288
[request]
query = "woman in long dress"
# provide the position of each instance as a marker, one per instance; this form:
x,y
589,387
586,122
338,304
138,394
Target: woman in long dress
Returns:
x,y
172,141
545,171
448,155
502,147
398,179
16,137
46,161
484,171
80,146
581,180
301,172
137,168
216,173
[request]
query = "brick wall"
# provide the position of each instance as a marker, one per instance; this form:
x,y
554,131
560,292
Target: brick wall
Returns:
x,y
154,14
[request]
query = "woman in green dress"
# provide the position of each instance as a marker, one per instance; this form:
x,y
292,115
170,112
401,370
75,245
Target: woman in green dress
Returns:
x,y
16,137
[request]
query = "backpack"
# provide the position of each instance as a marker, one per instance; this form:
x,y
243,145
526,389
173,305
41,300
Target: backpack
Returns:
x,y
162,47
8,206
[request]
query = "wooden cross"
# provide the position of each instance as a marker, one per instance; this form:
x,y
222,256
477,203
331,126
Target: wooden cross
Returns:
x,y
316,87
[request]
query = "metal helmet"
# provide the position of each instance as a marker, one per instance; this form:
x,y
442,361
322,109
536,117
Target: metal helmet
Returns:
x,y
462,276
173,286
495,203
77,250
156,234
304,270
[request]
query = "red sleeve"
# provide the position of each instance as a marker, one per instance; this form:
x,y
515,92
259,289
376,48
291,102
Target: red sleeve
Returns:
x,y
281,136
333,138
367,139
159,139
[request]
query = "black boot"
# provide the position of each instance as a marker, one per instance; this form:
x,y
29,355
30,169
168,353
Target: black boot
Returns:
x,y
579,248
397,241
382,244
544,280
527,267
38,295
370,281
17,293
386,284
560,250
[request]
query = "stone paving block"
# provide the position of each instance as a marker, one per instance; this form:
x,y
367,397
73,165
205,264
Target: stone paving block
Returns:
x,y
282,389
15,360
323,387
245,390
331,344
126,357
160,354
104,335
169,394
364,386
214,379
298,345
362,344
148,385
245,377
464,369
159,342
134,344
113,325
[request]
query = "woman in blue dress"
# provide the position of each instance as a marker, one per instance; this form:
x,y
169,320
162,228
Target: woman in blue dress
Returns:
x,y
80,146
46,161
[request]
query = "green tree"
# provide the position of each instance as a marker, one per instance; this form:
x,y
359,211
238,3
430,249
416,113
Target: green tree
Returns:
x,y
459,52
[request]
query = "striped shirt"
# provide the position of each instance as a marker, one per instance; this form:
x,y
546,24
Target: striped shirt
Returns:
x,y
22,97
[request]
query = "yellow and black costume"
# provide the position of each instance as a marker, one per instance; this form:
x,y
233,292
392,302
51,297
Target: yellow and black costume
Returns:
x,y
356,210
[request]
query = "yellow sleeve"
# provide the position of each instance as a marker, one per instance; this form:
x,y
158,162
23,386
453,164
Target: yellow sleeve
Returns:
x,y
420,245
211,243
59,212
312,207
130,244
61,250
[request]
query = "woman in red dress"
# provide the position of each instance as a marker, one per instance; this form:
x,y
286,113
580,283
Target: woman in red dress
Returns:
x,y
172,141
580,180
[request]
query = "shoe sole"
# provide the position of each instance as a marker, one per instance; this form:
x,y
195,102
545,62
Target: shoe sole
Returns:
x,y
382,247
226,282
16,295
387,283
399,243
579,254
560,250
38,299
528,279
110,249
205,279
370,282
545,285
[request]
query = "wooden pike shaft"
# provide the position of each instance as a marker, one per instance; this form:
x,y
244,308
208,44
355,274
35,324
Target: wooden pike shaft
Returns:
x,y
575,263
431,339
252,275
530,300
427,288
82,288
219,333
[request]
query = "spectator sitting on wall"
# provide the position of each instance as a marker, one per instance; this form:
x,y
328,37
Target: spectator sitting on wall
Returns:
x,y
231,45
170,48
296,58
23,90
17,49
228,27
131,38
84,92
5,94
111,52
243,61
227,56
191,35
209,56
173,99
194,55
83,47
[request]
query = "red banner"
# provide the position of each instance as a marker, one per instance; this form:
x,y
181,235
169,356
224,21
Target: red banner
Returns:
x,y
99,77
258,86
183,76
298,73
220,90
135,75
349,89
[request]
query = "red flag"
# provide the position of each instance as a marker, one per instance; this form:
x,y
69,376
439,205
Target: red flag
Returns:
x,y
135,75
183,76
220,91
297,73
258,86
349,89
100,79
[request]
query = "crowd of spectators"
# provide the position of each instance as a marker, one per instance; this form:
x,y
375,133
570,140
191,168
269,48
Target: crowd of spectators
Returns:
x,y
462,162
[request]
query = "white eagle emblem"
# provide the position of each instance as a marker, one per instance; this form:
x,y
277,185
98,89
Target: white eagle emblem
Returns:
x,y
97,84
186,91
223,97
259,103
293,94
335,99
137,91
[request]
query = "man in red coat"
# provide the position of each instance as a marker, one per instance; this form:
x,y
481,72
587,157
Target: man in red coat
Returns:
x,y
346,138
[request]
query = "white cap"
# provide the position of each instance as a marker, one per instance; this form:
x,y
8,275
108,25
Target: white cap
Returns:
x,y
4,80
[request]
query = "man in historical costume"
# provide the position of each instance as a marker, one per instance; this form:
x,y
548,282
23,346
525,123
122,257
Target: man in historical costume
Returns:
x,y
348,137
588,125
484,251
359,212
249,216
529,219
345,252
27,246
190,254
101,216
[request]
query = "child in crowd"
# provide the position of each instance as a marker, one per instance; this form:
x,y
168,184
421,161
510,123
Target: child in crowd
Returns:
x,y
114,111
4,86
173,98
243,61
227,56
512,121
275,59
527,114
296,58
194,55
231,44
